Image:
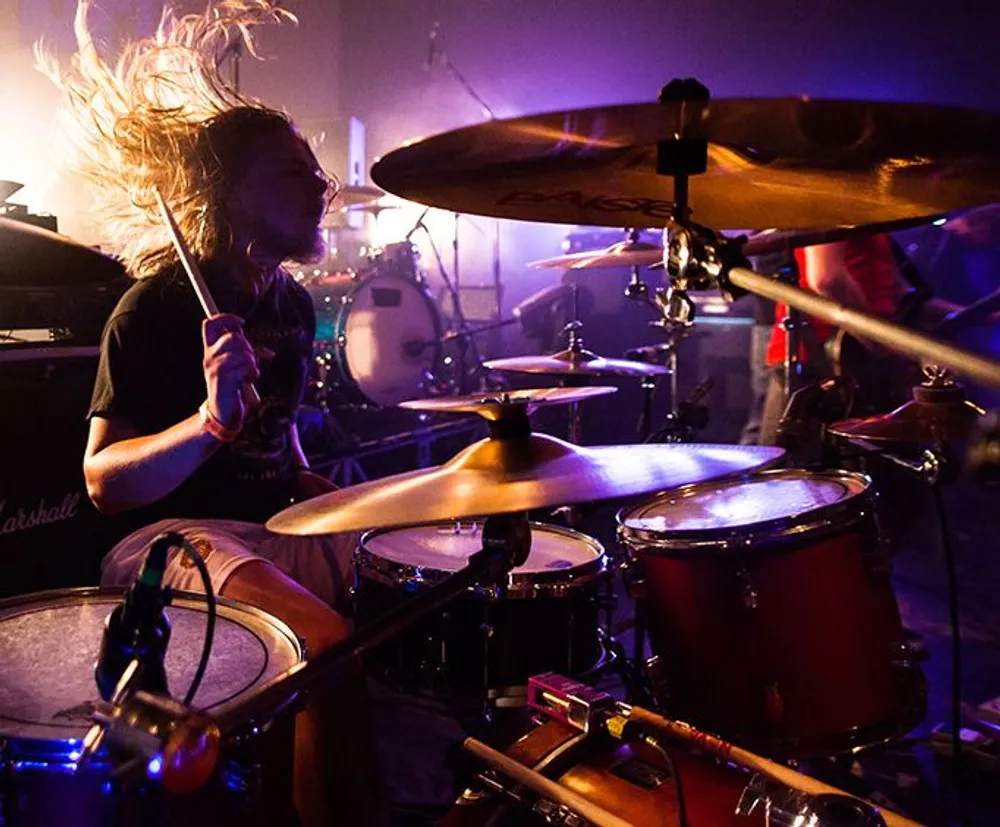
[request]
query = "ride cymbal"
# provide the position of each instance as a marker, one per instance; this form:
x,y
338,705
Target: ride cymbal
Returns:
x,y
500,476
495,406
33,257
576,363
784,162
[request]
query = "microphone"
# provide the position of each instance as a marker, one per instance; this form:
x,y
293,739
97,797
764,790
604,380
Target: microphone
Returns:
x,y
432,47
138,629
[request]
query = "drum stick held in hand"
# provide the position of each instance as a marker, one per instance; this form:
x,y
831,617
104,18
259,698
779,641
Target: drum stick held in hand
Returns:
x,y
251,398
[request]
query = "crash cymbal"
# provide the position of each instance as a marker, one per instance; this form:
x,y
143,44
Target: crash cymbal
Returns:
x,y
785,162
499,476
352,196
494,406
935,414
622,254
33,257
576,363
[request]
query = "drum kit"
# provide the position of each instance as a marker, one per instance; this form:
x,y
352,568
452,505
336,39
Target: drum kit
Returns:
x,y
765,591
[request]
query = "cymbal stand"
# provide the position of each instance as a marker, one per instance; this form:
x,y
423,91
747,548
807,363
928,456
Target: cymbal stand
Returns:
x,y
575,345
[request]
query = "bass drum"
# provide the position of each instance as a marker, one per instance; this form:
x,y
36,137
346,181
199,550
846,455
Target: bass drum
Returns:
x,y
49,643
632,781
378,338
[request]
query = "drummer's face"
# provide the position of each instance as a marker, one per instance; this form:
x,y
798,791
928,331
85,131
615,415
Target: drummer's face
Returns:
x,y
280,199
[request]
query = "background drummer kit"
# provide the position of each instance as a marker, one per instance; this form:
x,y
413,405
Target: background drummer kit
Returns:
x,y
765,592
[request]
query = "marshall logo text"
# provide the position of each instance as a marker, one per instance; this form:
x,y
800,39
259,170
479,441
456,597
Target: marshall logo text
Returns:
x,y
41,514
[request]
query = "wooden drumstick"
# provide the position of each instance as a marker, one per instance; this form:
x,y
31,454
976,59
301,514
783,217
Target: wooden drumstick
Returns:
x,y
248,392
750,761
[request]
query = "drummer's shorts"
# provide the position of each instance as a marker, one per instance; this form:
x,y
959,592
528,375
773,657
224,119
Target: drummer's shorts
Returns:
x,y
323,564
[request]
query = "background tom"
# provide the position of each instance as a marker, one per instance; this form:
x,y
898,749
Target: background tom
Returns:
x,y
489,642
378,337
768,601
48,645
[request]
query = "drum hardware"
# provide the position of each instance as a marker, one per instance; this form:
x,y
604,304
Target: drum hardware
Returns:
x,y
516,470
784,807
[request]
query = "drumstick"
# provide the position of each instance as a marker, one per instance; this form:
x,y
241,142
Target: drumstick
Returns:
x,y
751,761
543,786
251,398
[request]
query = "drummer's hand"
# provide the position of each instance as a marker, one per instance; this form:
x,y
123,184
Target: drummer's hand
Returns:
x,y
229,362
308,485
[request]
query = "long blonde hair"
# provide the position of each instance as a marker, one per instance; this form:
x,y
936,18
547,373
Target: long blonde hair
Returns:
x,y
159,119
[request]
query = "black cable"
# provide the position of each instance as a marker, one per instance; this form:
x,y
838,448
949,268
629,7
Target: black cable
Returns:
x,y
206,649
956,650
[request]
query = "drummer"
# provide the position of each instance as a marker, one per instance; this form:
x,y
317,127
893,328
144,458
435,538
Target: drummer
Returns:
x,y
171,444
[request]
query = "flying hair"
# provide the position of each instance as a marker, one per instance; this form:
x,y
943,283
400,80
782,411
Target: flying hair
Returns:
x,y
162,117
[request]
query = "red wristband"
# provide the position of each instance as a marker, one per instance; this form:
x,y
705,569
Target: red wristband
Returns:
x,y
214,427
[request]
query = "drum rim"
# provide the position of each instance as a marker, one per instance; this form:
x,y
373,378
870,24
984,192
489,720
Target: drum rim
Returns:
x,y
809,524
519,586
343,315
59,749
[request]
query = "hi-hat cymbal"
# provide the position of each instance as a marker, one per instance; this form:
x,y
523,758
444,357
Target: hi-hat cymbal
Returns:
x,y
501,476
352,196
495,406
785,162
576,363
33,257
622,254
934,415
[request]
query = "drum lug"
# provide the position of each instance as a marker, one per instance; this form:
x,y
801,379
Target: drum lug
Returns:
x,y
747,588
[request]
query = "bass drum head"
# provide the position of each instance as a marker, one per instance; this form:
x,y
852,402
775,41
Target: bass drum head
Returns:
x,y
49,644
389,332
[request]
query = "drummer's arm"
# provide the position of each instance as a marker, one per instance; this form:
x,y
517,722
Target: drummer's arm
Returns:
x,y
125,470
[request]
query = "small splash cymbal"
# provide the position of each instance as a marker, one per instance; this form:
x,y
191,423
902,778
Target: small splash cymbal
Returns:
x,y
494,406
576,363
934,415
622,254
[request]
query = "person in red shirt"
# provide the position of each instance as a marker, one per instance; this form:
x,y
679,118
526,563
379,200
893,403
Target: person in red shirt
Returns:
x,y
859,273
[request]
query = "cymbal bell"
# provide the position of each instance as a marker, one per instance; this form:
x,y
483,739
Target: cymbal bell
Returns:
x,y
500,476
496,406
934,415
622,254
33,257
576,363
783,162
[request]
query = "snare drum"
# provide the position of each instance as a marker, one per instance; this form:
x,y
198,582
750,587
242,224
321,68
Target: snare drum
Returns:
x,y
631,781
769,603
378,338
487,643
48,646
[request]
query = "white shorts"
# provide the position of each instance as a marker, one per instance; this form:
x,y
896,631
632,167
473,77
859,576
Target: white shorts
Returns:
x,y
323,564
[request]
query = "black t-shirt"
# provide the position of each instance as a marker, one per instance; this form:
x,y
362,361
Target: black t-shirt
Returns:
x,y
150,375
